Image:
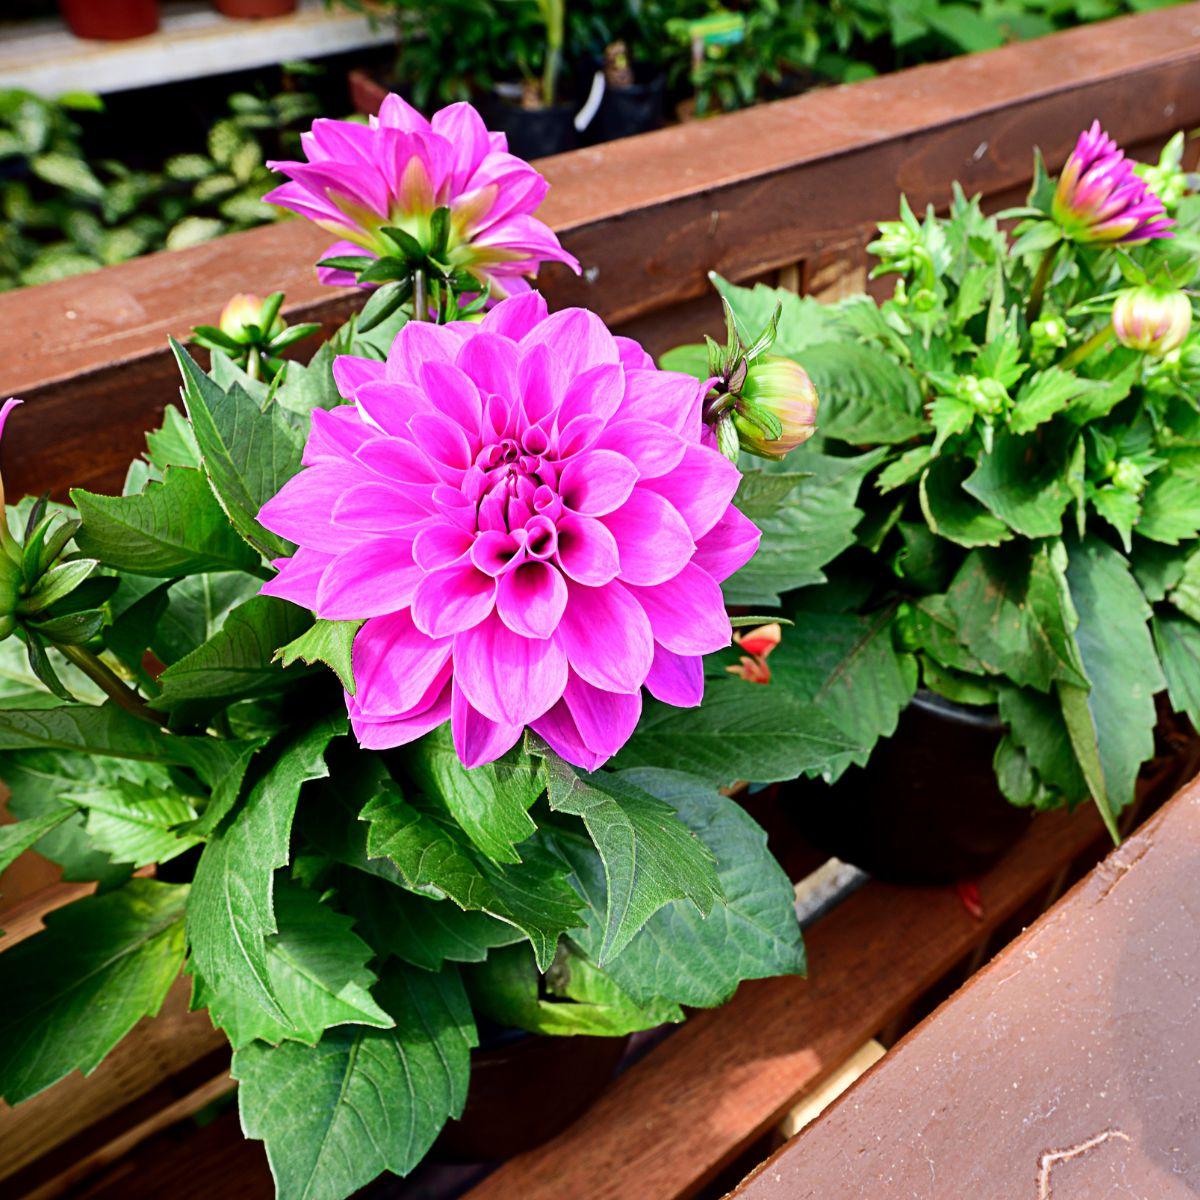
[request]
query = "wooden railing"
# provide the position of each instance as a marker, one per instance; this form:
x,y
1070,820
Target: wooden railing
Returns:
x,y
789,193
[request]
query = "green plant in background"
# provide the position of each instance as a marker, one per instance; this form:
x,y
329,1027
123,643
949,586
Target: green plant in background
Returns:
x,y
65,214
1011,509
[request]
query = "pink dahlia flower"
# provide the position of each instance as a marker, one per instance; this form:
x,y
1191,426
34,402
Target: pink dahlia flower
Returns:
x,y
400,169
1099,198
525,514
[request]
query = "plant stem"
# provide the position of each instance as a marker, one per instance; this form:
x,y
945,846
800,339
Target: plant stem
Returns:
x,y
1040,279
1086,349
115,688
420,303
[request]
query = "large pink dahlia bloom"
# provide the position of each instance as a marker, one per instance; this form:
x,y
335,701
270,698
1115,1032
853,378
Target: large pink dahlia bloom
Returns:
x,y
400,169
526,515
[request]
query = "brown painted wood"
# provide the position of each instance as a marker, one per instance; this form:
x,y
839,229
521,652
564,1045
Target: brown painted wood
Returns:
x,y
1065,1069
648,217
676,1119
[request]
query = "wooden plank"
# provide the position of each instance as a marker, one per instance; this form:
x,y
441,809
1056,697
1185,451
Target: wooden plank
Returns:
x,y
648,217
1067,1066
677,1118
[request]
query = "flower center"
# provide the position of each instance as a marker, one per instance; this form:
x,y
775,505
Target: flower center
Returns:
x,y
519,486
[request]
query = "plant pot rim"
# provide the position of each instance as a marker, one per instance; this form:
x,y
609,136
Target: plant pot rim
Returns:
x,y
979,716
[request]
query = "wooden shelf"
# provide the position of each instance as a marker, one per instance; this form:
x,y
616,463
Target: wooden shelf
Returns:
x,y
194,40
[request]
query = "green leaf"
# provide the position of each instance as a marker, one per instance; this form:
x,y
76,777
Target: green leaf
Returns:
x,y
199,606
425,932
329,642
19,836
77,988
812,529
650,857
932,626
172,528
1171,507
761,494
866,398
845,667
1042,396
431,851
1015,616
803,321
134,821
742,731
1117,715
1177,640
951,512
904,469
1023,481
490,802
680,955
232,913
1037,725
56,583
173,444
249,452
235,663
319,975
362,1101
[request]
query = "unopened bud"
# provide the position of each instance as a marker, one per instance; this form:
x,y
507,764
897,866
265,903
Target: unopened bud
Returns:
x,y
1128,476
1151,319
984,395
1049,332
776,407
243,310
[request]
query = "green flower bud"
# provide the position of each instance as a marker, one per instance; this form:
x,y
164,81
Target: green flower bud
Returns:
x,y
1127,476
1153,320
1049,333
776,407
986,396
243,310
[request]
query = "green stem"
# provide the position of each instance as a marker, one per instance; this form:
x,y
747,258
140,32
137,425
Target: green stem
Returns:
x,y
1086,349
420,303
115,688
1040,279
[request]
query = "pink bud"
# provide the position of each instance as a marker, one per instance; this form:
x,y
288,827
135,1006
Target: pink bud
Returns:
x,y
775,388
1151,320
244,309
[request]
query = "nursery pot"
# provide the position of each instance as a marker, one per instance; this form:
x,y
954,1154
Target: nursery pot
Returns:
x,y
926,808
531,132
625,111
110,20
525,1089
254,9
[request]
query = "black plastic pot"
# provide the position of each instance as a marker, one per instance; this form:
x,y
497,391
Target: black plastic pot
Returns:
x,y
926,808
625,111
525,1089
533,132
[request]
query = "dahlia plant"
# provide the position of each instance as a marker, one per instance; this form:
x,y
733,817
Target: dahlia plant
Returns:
x,y
1014,521
405,670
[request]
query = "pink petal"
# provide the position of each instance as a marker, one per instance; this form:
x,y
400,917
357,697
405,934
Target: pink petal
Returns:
x,y
676,679
390,404
336,433
633,357
607,636
653,541
395,665
516,317
368,580
300,510
298,577
442,440
668,398
453,393
701,487
578,339
491,361
531,598
417,343
597,482
509,678
439,545
605,720
452,599
562,735
477,739
654,450
351,372
398,460
597,392
385,733
729,545
379,507
587,551
687,613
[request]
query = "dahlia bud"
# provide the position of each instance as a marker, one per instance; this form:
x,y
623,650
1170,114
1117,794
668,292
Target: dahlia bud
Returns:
x,y
1049,333
1099,198
1151,320
245,310
776,407
986,396
1128,476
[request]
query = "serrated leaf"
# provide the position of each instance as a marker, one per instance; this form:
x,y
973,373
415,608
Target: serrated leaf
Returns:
x,y
173,444
1023,481
173,528
328,642
681,956
232,913
1015,616
1042,396
1122,669
490,802
133,821
249,453
75,989
761,494
318,971
742,731
19,836
1171,507
650,857
951,512
1036,724
199,606
235,663
1177,640
431,851
362,1101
